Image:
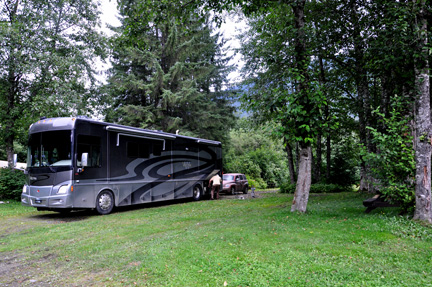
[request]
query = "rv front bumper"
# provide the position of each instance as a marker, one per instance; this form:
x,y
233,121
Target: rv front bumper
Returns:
x,y
46,202
43,199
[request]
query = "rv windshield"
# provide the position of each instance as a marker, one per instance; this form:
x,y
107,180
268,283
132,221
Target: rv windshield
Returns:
x,y
50,149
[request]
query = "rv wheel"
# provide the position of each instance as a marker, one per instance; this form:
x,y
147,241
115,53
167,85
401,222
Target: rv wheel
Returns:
x,y
197,192
105,202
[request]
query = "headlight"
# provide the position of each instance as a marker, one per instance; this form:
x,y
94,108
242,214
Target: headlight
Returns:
x,y
24,189
63,189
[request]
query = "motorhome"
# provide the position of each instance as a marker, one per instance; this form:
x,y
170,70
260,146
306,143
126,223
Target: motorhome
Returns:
x,y
77,163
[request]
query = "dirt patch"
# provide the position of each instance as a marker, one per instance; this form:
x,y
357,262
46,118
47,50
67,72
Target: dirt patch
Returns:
x,y
24,224
20,270
249,195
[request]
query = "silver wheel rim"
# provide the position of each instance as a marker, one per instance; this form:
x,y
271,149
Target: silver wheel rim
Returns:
x,y
105,201
196,192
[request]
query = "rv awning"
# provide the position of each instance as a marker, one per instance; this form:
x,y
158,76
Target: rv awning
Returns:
x,y
209,142
129,131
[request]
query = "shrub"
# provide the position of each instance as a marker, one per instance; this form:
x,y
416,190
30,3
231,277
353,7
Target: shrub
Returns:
x,y
258,183
394,163
11,183
327,188
287,187
315,188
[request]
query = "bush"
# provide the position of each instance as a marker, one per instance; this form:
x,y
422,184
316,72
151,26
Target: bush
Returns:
x,y
11,183
287,188
327,188
394,165
315,188
258,183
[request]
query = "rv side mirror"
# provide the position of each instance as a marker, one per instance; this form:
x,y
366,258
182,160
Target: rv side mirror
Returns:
x,y
84,159
15,160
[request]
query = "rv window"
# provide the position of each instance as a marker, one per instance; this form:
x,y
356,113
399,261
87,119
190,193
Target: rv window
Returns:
x,y
92,146
157,149
136,150
49,149
132,149
144,151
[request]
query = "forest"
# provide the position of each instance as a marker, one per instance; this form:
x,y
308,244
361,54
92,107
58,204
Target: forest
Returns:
x,y
333,92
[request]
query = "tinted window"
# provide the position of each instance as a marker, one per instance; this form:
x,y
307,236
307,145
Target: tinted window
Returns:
x,y
138,150
92,146
49,149
157,149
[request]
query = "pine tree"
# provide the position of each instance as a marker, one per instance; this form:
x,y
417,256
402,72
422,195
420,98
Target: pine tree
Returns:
x,y
168,75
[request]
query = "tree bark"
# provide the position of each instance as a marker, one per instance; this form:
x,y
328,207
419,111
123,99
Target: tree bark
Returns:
x,y
10,115
328,154
304,176
364,103
318,161
301,195
422,121
292,173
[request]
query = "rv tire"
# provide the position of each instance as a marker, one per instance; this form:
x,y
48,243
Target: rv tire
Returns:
x,y
105,202
197,192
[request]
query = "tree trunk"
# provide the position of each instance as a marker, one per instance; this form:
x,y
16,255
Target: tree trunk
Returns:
x,y
364,103
318,161
301,195
304,176
328,151
10,115
288,150
322,79
423,122
9,118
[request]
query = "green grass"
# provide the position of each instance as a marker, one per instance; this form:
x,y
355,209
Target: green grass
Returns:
x,y
256,242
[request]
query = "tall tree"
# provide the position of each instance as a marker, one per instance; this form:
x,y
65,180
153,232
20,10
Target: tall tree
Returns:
x,y
282,84
423,141
47,49
304,178
169,74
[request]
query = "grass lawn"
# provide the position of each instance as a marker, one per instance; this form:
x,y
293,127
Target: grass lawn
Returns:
x,y
230,242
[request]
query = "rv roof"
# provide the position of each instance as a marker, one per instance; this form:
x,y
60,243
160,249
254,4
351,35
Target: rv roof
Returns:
x,y
68,123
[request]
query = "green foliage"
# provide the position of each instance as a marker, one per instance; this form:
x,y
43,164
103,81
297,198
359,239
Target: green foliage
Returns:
x,y
315,188
287,187
252,151
258,183
168,76
344,161
11,183
281,89
47,54
394,162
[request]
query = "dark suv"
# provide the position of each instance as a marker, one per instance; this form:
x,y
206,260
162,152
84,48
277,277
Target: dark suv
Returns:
x,y
234,182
